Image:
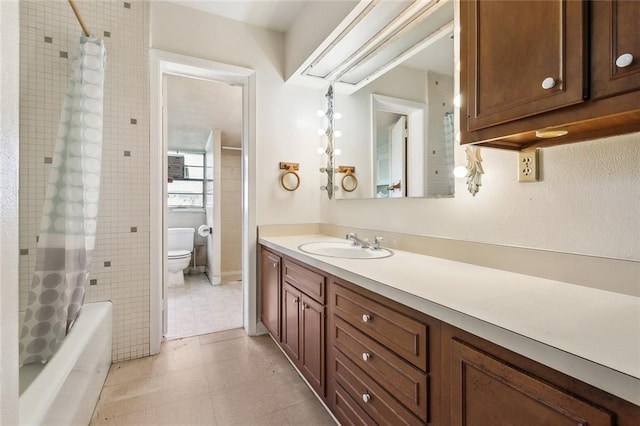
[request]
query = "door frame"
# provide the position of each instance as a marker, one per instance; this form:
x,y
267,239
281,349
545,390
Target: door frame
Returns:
x,y
163,62
417,139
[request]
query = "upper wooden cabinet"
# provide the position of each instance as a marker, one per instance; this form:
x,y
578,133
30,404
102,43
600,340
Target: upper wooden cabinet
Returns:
x,y
616,41
529,58
530,66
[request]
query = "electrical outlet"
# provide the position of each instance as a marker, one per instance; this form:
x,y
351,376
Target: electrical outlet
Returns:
x,y
528,166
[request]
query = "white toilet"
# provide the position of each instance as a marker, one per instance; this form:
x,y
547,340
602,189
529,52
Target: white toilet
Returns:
x,y
179,245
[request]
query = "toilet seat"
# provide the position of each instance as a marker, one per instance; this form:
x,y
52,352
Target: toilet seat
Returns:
x,y
179,254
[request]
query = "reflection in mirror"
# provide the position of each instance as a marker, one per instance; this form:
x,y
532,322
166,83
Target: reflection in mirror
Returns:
x,y
398,132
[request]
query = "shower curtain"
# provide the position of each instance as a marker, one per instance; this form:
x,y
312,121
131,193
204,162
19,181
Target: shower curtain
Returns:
x,y
449,144
67,231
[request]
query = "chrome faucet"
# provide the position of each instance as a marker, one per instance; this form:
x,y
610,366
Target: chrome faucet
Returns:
x,y
356,240
376,243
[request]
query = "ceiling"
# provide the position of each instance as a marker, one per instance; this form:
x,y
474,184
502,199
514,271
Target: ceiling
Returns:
x,y
277,15
195,107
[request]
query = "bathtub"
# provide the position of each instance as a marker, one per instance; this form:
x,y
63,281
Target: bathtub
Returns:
x,y
65,390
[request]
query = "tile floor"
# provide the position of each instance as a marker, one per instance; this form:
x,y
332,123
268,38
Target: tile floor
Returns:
x,y
200,308
224,378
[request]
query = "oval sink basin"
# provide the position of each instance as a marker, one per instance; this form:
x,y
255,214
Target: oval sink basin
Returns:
x,y
345,250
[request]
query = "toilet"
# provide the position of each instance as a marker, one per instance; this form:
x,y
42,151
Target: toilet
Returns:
x,y
179,247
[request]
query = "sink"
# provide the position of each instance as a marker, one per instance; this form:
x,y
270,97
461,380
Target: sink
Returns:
x,y
345,250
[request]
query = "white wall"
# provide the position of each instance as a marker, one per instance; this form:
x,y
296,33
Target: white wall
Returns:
x,y
587,203
286,121
9,61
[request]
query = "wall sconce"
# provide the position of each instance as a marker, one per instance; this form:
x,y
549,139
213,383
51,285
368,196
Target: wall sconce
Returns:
x,y
290,180
349,181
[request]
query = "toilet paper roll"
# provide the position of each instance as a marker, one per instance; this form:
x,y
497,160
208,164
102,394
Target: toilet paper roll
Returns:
x,y
204,230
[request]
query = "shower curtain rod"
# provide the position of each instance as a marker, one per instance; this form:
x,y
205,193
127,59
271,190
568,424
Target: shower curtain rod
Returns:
x,y
85,29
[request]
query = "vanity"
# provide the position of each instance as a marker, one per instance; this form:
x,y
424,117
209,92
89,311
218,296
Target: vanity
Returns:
x,y
415,339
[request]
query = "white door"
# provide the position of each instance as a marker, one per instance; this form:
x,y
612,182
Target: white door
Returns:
x,y
397,156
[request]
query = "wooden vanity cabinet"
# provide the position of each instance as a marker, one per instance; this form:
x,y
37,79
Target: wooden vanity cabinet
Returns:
x,y
486,384
270,291
303,321
381,367
535,65
375,361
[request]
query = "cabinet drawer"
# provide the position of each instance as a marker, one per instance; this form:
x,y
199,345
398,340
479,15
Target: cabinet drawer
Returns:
x,y
306,280
402,380
347,411
398,332
379,404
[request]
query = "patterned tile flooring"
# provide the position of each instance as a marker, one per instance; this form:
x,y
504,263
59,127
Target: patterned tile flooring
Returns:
x,y
200,308
220,379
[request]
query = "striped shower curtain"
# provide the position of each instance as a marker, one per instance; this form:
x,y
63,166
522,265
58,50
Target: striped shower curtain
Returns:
x,y
67,232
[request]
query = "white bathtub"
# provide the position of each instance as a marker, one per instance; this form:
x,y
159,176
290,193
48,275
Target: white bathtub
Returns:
x,y
66,389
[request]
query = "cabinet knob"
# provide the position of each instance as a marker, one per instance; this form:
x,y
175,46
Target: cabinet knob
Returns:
x,y
366,356
295,300
366,317
275,264
624,60
548,83
305,306
366,398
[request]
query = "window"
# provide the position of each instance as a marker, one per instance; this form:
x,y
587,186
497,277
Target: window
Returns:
x,y
188,191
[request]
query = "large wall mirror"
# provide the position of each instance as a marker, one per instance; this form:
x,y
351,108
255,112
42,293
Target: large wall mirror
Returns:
x,y
396,134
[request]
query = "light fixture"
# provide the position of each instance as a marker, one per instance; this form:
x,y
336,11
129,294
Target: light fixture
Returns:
x,y
377,36
551,133
460,172
457,100
337,133
320,113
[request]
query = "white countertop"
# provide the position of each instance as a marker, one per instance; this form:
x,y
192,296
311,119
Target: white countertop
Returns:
x,y
590,334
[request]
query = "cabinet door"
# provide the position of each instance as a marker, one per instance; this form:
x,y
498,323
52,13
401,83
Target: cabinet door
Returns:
x,y
510,48
270,280
312,343
615,33
291,321
486,391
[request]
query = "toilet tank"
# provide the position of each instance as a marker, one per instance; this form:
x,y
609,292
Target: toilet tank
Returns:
x,y
180,239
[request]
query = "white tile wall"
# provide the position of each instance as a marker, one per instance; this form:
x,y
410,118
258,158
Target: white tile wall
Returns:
x,y
440,100
48,34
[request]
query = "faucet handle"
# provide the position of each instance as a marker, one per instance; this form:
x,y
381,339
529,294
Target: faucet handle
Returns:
x,y
376,242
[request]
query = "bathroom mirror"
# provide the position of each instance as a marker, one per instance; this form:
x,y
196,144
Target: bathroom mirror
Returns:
x,y
397,131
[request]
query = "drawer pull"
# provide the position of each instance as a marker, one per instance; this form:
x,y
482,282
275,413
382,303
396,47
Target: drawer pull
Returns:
x,y
366,317
366,398
366,356
624,60
548,83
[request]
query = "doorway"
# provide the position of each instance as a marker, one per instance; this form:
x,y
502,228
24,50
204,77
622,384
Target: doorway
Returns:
x,y
203,137
164,64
